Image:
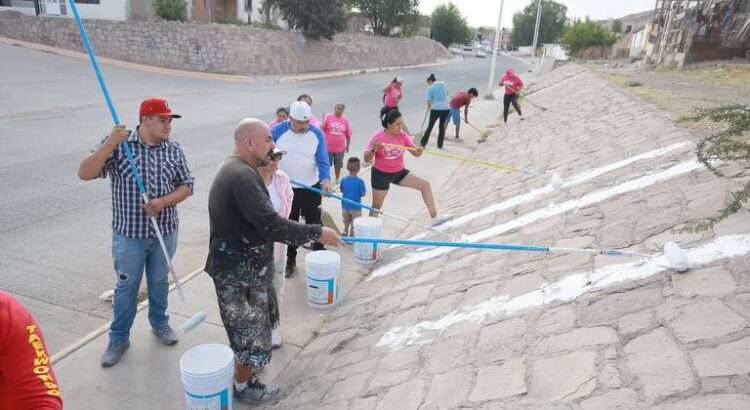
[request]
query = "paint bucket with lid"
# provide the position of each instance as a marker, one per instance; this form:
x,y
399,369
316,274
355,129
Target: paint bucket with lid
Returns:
x,y
366,254
208,377
322,271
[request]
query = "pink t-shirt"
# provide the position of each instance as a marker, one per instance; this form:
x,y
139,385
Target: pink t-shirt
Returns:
x,y
336,130
392,94
390,159
314,120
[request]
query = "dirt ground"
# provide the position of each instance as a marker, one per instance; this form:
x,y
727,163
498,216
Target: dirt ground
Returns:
x,y
680,92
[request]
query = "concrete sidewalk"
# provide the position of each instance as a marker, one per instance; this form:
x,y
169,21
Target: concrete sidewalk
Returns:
x,y
148,376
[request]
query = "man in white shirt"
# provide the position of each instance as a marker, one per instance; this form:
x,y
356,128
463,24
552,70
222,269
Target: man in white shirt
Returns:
x,y
306,161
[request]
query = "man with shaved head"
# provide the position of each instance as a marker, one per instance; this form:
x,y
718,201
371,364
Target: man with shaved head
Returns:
x,y
244,226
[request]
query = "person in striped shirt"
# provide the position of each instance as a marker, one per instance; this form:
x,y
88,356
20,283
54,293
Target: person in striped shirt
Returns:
x,y
168,181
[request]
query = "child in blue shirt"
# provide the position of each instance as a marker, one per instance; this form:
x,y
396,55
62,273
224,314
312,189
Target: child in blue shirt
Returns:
x,y
353,188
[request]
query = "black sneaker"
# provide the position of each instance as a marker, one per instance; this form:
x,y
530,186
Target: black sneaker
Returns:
x,y
291,269
256,392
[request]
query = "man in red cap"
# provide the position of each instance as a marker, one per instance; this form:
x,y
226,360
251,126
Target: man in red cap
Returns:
x,y
167,180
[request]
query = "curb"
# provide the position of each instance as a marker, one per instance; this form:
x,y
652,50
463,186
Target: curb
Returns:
x,y
124,64
349,73
523,60
68,350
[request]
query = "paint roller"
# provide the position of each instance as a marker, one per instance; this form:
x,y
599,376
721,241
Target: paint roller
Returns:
x,y
675,255
200,316
384,213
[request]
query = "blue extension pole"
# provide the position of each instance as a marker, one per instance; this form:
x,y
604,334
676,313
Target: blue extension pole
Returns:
x,y
501,246
103,85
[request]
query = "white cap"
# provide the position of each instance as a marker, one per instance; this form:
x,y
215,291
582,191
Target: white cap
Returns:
x,y
300,111
400,80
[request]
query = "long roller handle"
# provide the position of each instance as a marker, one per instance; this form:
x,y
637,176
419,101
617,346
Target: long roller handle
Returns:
x,y
500,246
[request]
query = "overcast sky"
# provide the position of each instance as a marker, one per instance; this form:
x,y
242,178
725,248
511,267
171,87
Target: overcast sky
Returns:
x,y
484,12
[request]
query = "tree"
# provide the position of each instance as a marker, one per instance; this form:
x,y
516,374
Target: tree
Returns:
x,y
265,9
551,25
448,26
617,26
317,18
386,15
173,10
584,34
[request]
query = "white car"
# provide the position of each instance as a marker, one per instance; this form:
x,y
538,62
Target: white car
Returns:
x,y
481,54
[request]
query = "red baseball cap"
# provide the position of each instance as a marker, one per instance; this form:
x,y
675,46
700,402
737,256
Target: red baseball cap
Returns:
x,y
156,106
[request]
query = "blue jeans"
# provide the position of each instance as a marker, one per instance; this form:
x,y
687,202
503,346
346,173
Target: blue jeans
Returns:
x,y
131,256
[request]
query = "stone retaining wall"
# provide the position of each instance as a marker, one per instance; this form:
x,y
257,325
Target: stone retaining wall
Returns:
x,y
221,48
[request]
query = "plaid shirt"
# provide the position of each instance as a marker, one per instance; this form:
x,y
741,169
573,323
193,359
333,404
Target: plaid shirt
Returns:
x,y
163,168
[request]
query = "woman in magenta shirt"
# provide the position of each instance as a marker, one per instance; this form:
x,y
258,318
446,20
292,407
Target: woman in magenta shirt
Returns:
x,y
388,167
338,133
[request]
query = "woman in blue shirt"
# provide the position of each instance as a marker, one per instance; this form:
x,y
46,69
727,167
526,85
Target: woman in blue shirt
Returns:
x,y
437,102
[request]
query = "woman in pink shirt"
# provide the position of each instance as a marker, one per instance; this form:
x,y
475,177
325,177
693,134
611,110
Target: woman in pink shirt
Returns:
x,y
282,114
513,85
388,167
338,133
392,95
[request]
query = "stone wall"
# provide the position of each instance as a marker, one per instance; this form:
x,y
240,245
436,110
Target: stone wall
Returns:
x,y
219,48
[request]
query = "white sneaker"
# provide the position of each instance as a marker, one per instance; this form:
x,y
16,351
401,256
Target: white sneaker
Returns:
x,y
275,338
440,218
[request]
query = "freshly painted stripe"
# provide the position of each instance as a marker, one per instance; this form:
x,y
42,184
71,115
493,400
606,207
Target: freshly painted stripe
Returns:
x,y
567,289
544,213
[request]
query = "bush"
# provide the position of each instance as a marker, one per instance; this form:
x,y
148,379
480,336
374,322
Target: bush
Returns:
x,y
172,10
584,34
730,145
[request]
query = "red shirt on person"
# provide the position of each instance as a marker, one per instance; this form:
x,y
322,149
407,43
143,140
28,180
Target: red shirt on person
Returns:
x,y
515,82
460,99
27,380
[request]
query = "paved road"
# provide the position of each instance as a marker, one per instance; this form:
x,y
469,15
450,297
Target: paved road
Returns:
x,y
54,229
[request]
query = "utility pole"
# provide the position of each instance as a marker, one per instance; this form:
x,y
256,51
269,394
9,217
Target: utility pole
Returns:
x,y
498,40
536,29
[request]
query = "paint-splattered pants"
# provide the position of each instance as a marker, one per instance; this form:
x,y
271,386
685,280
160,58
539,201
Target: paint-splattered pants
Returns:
x,y
249,312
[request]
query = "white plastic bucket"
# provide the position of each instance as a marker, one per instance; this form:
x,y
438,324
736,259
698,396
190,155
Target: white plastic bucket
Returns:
x,y
208,377
367,227
322,270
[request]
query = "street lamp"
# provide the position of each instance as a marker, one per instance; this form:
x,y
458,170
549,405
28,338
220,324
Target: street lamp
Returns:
x,y
498,40
536,29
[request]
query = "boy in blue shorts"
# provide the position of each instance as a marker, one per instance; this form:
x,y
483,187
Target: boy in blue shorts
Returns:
x,y
461,99
353,188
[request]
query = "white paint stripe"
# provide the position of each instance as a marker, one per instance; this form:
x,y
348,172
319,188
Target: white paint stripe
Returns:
x,y
567,289
543,213
539,192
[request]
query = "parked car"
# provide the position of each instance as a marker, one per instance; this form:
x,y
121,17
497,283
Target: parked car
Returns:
x,y
467,47
481,54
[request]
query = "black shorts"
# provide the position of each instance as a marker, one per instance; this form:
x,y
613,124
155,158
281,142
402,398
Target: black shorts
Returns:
x,y
382,180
